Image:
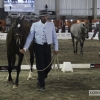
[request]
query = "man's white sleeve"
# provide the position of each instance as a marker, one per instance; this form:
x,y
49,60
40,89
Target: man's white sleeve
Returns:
x,y
30,37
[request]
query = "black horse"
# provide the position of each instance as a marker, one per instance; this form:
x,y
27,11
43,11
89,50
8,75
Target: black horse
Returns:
x,y
15,41
79,32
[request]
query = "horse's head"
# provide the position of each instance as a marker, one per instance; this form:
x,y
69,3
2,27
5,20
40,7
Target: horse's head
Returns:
x,y
85,30
18,31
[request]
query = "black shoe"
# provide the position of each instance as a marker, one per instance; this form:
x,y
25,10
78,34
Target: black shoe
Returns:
x,y
41,88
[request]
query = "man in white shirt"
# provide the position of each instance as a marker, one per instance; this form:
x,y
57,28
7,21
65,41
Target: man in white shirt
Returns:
x,y
44,34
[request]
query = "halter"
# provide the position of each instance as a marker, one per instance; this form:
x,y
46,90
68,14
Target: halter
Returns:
x,y
17,26
18,35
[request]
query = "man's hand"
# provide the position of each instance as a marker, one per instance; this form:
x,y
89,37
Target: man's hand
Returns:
x,y
22,51
56,52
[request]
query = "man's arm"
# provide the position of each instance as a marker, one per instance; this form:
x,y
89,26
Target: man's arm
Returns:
x,y
29,39
95,31
55,40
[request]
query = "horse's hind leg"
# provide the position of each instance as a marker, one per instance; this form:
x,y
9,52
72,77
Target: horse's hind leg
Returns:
x,y
73,42
31,61
31,67
99,36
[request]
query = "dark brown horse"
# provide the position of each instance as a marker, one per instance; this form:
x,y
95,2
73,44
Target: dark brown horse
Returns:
x,y
15,41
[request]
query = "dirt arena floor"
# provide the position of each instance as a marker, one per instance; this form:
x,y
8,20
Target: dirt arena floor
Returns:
x,y
70,86
91,52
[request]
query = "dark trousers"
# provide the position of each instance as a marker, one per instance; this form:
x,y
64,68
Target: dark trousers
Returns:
x,y
43,59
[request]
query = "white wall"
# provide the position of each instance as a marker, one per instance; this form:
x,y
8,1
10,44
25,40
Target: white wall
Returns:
x,y
75,7
1,3
66,7
98,7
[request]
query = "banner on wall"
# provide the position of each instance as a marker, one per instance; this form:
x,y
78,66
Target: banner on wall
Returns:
x,y
19,5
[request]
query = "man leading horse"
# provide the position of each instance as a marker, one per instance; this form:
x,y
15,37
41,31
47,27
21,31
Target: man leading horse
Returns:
x,y
43,33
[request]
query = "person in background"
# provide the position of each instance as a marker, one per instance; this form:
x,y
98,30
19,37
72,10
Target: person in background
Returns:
x,y
44,34
10,6
97,29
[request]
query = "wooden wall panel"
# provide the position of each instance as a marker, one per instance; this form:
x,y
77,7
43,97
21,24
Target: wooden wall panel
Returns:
x,y
3,25
2,22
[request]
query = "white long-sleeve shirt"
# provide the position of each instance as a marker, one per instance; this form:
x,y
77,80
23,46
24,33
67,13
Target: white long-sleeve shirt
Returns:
x,y
41,34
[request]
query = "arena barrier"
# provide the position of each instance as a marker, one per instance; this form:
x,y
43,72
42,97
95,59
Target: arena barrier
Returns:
x,y
65,66
3,36
59,35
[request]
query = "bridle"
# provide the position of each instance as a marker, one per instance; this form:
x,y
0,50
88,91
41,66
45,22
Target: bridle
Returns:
x,y
18,37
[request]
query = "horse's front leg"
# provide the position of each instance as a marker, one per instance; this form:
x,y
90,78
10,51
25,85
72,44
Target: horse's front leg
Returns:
x,y
81,44
18,69
11,63
9,77
77,40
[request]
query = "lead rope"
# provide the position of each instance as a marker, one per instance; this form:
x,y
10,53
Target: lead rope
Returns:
x,y
58,66
54,60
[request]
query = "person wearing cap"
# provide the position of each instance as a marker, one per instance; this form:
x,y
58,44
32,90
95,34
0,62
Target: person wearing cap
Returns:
x,y
96,30
44,34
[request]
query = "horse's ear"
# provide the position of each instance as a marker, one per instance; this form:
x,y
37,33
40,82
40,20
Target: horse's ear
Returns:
x,y
83,23
18,18
22,18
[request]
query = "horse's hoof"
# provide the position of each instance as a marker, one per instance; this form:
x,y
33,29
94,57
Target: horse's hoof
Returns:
x,y
6,80
99,54
15,86
29,78
74,52
9,80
